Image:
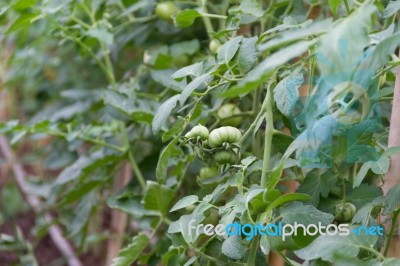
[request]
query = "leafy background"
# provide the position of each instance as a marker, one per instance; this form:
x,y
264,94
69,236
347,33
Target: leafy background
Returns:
x,y
97,96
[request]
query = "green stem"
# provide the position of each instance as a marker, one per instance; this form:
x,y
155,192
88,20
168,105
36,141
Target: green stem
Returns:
x,y
373,251
253,251
391,232
131,158
136,170
101,143
110,69
90,140
207,15
206,20
254,124
269,132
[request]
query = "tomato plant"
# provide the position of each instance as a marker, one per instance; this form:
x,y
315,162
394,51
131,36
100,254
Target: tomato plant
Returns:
x,y
138,129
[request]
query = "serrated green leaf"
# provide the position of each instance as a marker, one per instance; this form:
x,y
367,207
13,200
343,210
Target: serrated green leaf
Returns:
x,y
364,215
186,18
343,46
304,214
247,54
164,78
184,202
163,113
317,185
303,32
228,50
363,195
130,205
129,254
275,176
23,4
326,246
286,93
262,71
287,198
179,125
124,105
251,7
392,200
79,191
198,83
194,70
157,197
334,4
184,48
381,166
391,8
22,21
162,164
102,35
233,248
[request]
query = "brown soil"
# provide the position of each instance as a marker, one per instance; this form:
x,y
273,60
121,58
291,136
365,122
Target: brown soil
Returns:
x,y
45,251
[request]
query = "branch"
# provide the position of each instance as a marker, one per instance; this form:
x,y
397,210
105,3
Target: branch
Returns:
x,y
54,231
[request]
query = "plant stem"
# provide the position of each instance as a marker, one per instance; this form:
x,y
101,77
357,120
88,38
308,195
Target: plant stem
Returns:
x,y
373,251
269,132
206,20
254,124
391,232
136,170
102,143
253,251
207,15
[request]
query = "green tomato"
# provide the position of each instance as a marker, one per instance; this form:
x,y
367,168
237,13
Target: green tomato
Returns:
x,y
214,46
198,131
190,208
166,10
223,135
345,212
181,60
208,172
225,157
336,191
228,110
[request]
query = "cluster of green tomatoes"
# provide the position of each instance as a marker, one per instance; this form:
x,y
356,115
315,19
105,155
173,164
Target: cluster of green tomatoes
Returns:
x,y
221,143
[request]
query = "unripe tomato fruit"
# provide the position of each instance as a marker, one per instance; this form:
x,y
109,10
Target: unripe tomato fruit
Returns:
x,y
225,157
345,212
198,131
228,110
166,10
208,172
336,191
181,60
214,46
223,134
